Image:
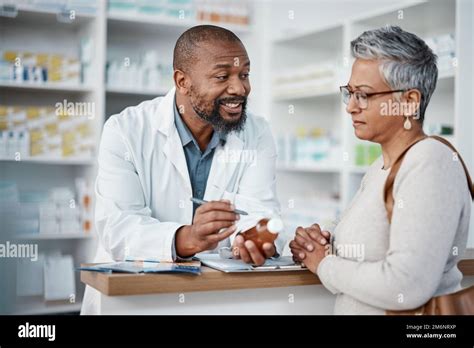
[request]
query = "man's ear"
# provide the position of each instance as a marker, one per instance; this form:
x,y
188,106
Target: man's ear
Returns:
x,y
181,82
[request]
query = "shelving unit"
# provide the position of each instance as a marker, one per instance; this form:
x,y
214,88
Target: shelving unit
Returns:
x,y
313,45
116,35
43,30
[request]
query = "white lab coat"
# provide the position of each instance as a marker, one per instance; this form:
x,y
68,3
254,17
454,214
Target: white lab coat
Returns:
x,y
143,187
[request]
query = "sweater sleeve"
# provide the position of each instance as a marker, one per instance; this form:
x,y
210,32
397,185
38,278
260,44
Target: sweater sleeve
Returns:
x,y
429,192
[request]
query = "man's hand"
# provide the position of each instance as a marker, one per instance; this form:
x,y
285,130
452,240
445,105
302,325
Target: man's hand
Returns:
x,y
310,246
203,234
249,253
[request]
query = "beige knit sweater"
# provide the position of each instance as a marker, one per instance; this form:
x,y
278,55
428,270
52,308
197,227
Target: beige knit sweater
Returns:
x,y
379,266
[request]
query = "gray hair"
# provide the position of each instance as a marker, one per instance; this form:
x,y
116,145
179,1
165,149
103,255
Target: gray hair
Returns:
x,y
406,60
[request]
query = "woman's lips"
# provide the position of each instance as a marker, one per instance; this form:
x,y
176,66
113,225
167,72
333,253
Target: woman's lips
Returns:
x,y
357,123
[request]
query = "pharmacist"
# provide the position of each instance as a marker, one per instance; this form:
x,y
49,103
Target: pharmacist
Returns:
x,y
197,141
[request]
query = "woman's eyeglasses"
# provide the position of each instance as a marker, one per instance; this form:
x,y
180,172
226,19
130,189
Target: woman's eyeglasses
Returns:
x,y
361,97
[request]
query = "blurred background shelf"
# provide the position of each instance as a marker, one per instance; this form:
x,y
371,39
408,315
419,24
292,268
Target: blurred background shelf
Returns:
x,y
314,168
54,161
53,87
26,13
140,92
55,236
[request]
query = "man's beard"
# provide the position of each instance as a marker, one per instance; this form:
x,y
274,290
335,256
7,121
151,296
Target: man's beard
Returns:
x,y
216,120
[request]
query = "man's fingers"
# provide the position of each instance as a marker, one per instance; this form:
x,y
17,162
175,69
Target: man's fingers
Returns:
x,y
237,245
213,227
257,257
217,215
216,238
244,254
326,234
223,205
268,249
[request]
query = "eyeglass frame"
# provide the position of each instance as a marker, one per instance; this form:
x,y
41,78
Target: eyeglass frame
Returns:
x,y
368,95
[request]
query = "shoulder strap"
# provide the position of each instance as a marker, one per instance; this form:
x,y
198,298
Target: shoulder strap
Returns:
x,y
388,189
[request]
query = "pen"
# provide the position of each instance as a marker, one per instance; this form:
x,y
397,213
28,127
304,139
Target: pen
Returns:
x,y
201,201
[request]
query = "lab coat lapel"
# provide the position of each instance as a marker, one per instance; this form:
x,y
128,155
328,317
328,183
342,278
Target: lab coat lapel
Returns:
x,y
173,148
225,169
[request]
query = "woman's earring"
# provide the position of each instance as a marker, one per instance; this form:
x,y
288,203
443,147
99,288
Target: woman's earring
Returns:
x,y
407,124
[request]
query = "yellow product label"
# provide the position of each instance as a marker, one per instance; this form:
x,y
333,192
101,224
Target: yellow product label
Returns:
x,y
68,150
68,137
301,132
52,128
36,149
10,56
56,61
36,135
62,115
3,111
84,130
42,59
54,75
32,112
3,125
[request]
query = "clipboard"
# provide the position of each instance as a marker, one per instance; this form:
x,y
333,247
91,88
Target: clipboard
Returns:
x,y
281,264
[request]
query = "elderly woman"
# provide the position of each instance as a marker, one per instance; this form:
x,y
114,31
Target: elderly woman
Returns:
x,y
377,263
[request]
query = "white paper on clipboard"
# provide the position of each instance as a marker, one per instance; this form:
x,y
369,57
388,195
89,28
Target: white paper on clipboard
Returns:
x,y
284,263
256,211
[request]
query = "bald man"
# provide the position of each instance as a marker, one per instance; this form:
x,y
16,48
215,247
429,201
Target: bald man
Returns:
x,y
197,141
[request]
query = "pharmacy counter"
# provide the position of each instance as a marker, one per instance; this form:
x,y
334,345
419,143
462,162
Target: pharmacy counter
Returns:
x,y
212,292
215,292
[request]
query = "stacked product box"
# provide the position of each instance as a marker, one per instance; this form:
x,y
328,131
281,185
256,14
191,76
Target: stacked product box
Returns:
x,y
43,132
39,68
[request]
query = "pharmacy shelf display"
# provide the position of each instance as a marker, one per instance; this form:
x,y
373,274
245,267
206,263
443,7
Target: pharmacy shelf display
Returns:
x,y
53,107
316,144
51,115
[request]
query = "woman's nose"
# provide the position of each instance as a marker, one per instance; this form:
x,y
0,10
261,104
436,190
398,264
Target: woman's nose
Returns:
x,y
352,105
